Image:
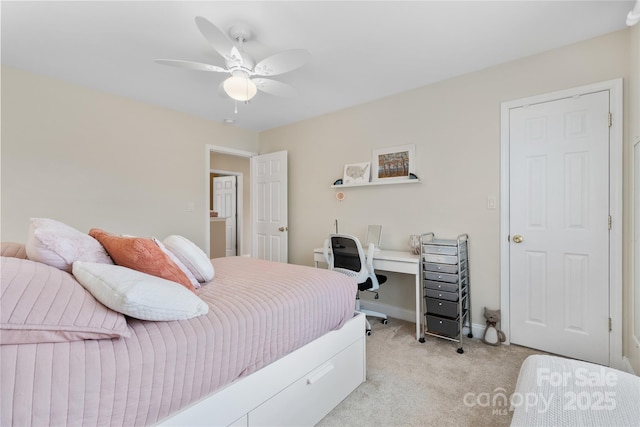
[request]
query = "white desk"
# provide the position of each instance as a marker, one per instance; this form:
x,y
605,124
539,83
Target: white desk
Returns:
x,y
397,262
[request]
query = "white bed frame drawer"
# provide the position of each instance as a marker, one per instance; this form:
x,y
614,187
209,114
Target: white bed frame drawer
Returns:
x,y
231,405
307,401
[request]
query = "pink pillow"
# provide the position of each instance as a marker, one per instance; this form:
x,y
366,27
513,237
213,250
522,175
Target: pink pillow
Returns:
x,y
58,245
141,254
41,304
14,250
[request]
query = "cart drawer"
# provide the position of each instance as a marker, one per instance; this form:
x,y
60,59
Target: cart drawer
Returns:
x,y
441,277
442,308
440,325
442,250
441,259
443,268
441,286
449,296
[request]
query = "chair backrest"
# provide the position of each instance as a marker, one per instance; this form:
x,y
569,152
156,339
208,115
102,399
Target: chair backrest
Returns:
x,y
344,254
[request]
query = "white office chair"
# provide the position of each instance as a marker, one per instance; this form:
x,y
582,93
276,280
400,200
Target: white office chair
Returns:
x,y
344,254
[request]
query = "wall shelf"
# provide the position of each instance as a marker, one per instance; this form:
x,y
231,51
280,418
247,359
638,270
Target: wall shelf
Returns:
x,y
372,183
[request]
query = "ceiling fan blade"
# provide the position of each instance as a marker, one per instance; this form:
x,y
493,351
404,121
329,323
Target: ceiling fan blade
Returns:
x,y
191,65
235,56
220,42
282,62
274,87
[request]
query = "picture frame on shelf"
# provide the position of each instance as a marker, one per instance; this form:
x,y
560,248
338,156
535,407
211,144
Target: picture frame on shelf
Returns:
x,y
394,163
356,173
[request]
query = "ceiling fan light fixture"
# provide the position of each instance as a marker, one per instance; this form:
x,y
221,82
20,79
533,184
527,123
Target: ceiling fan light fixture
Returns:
x,y
240,88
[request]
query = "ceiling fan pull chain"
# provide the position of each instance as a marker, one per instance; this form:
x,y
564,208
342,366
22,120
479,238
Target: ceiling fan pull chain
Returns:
x,y
236,109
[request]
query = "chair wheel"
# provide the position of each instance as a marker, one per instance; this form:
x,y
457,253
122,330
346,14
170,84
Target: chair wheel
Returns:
x,y
460,351
368,332
422,340
470,335
385,321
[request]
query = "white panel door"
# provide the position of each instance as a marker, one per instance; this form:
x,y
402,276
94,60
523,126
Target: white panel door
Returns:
x,y
269,193
224,202
559,210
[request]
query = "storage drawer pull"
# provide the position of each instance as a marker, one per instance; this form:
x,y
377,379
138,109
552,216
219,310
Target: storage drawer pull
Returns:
x,y
324,371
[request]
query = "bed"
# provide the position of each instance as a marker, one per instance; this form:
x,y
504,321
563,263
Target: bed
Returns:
x,y
280,345
555,391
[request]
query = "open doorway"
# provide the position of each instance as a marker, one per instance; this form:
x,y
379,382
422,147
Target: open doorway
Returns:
x,y
226,205
225,162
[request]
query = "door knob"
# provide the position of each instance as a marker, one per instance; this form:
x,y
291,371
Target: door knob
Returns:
x,y
283,228
517,238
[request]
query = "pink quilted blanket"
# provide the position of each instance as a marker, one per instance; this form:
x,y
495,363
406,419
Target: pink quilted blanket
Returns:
x,y
259,312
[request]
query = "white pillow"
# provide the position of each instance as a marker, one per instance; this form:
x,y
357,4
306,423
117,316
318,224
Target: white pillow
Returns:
x,y
191,256
58,245
138,294
179,263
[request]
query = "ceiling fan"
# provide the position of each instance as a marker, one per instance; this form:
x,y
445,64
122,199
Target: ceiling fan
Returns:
x,y
247,76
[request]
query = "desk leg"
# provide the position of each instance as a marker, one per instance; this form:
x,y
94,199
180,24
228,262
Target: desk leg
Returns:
x,y
419,335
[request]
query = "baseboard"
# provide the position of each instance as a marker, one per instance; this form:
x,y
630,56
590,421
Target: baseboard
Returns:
x,y
410,315
389,310
626,365
476,329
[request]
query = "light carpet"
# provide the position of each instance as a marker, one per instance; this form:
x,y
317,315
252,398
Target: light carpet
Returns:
x,y
429,384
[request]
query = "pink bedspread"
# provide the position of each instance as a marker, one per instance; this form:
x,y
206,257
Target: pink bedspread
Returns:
x,y
259,312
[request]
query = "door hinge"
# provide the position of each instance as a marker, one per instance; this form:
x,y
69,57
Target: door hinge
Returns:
x,y
610,119
610,328
609,221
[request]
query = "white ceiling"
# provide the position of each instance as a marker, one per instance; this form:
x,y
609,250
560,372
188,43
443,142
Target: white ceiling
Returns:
x,y
360,50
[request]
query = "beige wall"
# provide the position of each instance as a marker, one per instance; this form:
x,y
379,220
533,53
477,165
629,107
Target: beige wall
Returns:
x,y
455,125
242,165
91,159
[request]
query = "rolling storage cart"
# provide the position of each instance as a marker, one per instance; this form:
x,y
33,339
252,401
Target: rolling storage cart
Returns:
x,y
446,286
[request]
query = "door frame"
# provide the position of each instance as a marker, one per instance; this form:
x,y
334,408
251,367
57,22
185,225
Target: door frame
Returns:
x,y
223,150
239,206
615,205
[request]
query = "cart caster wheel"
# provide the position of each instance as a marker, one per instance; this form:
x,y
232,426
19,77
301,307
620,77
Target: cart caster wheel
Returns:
x,y
368,332
422,340
385,321
470,335
460,351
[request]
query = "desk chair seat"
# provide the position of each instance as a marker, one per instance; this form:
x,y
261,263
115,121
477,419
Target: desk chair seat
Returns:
x,y
368,284
344,254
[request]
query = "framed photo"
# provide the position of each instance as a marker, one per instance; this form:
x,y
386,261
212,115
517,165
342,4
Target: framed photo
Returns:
x,y
394,162
356,173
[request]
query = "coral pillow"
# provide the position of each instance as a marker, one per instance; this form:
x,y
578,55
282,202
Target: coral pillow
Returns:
x,y
56,244
138,294
41,303
191,256
141,254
